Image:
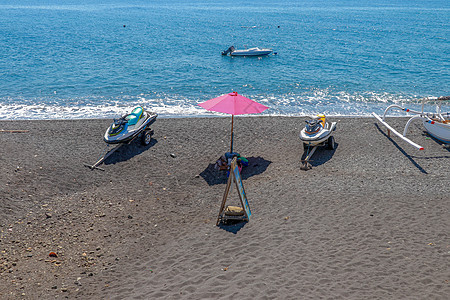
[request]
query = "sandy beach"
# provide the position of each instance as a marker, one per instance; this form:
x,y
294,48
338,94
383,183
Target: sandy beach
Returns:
x,y
370,220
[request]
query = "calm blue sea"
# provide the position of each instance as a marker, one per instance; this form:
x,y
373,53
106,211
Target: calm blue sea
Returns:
x,y
97,59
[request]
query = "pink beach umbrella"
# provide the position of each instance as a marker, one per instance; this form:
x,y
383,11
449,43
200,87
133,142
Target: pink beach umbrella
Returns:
x,y
233,104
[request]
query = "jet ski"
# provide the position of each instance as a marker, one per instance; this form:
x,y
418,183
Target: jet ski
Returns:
x,y
318,132
129,126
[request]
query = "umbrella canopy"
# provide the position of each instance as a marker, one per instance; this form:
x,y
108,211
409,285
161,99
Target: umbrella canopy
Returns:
x,y
233,104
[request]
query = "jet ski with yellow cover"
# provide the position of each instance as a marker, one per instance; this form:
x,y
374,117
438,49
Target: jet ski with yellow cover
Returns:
x,y
318,131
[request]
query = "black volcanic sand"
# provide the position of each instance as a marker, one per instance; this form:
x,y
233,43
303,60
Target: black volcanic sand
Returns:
x,y
370,220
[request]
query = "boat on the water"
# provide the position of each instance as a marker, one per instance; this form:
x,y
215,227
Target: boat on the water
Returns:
x,y
129,126
247,52
318,131
437,124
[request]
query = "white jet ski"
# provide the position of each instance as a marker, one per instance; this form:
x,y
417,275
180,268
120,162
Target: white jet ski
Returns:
x,y
128,127
317,131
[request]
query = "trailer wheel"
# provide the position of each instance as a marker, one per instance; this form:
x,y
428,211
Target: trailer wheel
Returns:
x,y
146,137
331,144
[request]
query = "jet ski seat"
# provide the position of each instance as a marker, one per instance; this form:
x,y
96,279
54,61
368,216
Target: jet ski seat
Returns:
x,y
135,115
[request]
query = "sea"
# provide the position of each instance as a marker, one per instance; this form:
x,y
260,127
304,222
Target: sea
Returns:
x,y
66,59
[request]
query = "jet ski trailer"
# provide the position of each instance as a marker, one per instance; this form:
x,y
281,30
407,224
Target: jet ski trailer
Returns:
x,y
437,124
317,132
125,130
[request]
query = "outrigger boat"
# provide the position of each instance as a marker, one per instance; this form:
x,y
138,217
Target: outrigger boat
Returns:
x,y
317,132
437,124
125,129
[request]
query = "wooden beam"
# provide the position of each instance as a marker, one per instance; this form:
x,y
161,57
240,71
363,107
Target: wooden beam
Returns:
x,y
13,131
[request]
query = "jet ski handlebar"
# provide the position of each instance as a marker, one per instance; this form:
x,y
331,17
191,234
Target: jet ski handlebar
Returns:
x,y
312,122
121,121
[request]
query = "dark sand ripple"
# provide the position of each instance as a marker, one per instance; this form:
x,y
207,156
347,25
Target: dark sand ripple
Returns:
x,y
369,221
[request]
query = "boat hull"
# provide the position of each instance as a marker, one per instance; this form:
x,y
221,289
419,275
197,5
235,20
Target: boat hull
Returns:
x,y
438,130
251,52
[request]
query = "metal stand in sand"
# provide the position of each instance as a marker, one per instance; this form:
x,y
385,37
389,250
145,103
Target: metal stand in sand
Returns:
x,y
329,144
305,162
234,213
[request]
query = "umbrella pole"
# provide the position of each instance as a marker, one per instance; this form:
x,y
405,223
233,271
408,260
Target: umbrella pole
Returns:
x,y
232,119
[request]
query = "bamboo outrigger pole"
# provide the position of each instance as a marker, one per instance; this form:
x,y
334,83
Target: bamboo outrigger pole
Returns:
x,y
396,133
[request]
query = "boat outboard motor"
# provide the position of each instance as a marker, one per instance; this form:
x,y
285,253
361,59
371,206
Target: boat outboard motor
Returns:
x,y
229,50
312,126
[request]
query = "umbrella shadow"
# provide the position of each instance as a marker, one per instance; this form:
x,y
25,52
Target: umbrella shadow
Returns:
x,y
321,156
128,151
232,227
256,166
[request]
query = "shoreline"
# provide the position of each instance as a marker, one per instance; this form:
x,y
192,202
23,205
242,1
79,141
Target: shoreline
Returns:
x,y
201,113
368,220
215,115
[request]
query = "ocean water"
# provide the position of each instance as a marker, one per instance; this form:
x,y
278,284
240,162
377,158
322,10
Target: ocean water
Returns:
x,y
98,59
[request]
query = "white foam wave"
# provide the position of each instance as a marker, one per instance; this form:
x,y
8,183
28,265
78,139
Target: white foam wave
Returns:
x,y
308,103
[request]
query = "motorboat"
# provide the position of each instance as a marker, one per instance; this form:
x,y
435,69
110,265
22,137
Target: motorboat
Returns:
x,y
129,126
251,52
318,132
437,124
247,52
